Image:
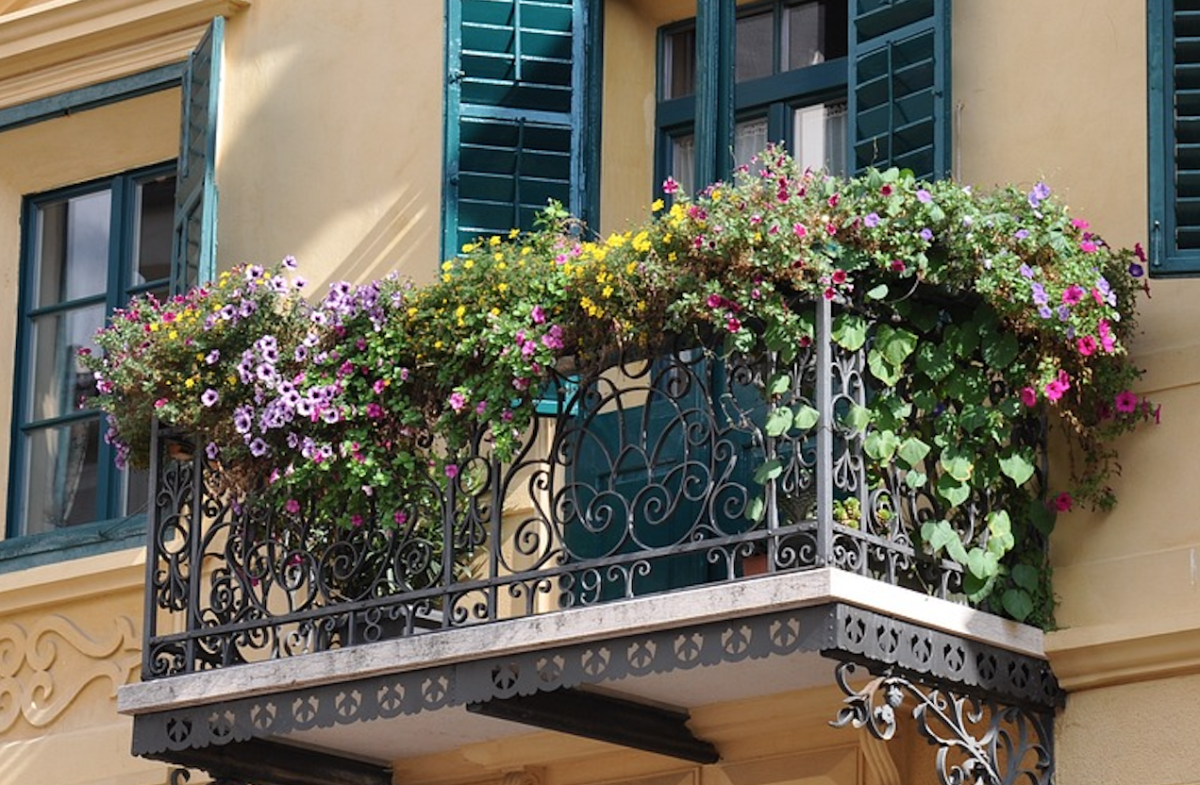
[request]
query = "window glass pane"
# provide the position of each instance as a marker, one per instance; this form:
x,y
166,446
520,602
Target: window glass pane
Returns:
x,y
749,139
152,231
819,137
72,248
59,380
679,64
60,474
137,491
683,162
755,46
814,32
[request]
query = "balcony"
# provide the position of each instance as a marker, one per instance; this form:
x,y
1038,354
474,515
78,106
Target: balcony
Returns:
x,y
663,536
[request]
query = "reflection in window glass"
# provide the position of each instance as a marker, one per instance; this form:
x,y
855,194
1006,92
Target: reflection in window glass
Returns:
x,y
819,137
152,234
813,33
73,248
754,51
59,379
679,64
61,472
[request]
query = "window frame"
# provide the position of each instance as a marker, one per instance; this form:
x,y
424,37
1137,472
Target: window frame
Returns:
x,y
775,96
119,287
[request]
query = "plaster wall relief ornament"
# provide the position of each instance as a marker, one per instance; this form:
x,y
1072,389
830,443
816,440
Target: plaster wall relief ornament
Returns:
x,y
45,667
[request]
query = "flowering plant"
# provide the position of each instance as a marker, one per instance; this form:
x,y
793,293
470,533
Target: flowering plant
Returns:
x,y
979,315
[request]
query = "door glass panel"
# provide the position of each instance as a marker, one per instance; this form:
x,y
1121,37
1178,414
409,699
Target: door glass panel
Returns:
x,y
683,162
153,231
679,64
819,137
72,248
59,379
60,475
749,139
755,46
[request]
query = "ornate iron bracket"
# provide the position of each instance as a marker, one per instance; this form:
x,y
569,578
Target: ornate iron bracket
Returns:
x,y
979,741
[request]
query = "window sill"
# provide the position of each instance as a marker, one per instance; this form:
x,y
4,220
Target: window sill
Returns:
x,y
22,553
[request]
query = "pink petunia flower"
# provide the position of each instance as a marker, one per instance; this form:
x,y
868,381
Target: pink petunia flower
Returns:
x,y
1063,502
451,470
1087,345
800,230
1072,295
1126,402
1029,397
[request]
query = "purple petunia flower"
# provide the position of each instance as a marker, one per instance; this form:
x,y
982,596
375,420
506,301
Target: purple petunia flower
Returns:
x,y
210,397
926,235
1021,234
871,220
923,196
258,448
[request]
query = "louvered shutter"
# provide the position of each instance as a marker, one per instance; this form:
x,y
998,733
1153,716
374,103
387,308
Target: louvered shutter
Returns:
x,y
512,96
899,102
1174,71
193,253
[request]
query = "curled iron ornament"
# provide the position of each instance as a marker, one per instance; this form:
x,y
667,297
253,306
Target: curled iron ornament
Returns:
x,y
979,741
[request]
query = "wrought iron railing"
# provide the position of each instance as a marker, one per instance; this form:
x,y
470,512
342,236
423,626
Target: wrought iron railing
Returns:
x,y
656,474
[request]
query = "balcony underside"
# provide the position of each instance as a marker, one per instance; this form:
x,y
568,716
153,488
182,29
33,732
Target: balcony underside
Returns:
x,y
358,710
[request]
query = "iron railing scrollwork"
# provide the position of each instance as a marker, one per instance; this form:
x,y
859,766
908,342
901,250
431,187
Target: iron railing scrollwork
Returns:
x,y
657,473
979,741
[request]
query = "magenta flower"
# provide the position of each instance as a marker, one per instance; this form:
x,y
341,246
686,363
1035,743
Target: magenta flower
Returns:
x,y
1108,341
898,266
537,314
400,517
1029,397
1087,246
356,520
451,470
292,506
715,301
885,190
1126,402
379,386
161,402
1063,502
457,401
1056,388
800,230
1079,223
733,324
374,410
1087,345
839,277
1072,295
670,186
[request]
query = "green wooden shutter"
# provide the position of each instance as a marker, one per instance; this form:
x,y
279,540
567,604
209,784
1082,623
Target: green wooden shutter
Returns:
x,y
193,254
1174,88
899,102
513,96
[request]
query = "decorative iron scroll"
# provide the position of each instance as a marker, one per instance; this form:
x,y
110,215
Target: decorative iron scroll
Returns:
x,y
979,740
655,474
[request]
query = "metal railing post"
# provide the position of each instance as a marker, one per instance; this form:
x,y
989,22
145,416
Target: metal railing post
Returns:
x,y
825,426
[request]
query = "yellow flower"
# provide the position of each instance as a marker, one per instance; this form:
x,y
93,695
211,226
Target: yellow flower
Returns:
x,y
512,233
525,251
190,383
468,248
446,277
494,312
230,380
657,205
469,263
629,268
672,256
154,327
494,240
173,335
608,290
497,256
642,241
502,287
437,344
716,195
449,263
502,266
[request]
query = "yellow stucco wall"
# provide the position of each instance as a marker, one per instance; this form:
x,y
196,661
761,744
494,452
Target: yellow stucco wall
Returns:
x,y
330,142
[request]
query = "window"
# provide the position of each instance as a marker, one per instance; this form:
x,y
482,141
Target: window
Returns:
x,y
842,85
1174,90
789,64
517,114
86,251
